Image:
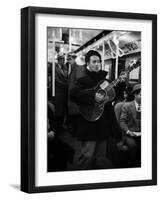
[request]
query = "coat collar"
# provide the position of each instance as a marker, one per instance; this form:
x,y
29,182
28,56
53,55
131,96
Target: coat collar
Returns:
x,y
97,76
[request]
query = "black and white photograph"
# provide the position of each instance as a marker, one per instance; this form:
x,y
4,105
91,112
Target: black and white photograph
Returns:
x,y
94,99
90,99
80,100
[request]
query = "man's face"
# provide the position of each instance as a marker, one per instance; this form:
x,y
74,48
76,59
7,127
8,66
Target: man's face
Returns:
x,y
94,63
138,97
61,61
71,61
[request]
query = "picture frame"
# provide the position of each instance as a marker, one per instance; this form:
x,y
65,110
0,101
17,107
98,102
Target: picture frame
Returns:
x,y
30,38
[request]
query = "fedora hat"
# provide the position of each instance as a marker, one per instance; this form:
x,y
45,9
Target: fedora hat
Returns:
x,y
71,55
60,56
136,87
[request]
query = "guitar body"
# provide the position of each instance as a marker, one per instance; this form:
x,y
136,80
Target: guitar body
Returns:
x,y
94,112
105,89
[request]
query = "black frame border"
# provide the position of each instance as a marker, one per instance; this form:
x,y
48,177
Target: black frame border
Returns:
x,y
28,98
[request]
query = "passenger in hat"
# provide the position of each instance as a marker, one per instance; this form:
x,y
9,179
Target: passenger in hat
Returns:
x,y
61,58
130,122
61,91
59,153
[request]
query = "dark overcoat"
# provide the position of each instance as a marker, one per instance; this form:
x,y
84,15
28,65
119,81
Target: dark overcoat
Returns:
x,y
106,125
61,91
77,71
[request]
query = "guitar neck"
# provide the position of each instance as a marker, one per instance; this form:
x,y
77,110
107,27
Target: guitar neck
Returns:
x,y
114,83
129,69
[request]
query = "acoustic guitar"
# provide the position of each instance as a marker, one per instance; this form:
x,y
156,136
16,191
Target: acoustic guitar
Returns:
x,y
94,111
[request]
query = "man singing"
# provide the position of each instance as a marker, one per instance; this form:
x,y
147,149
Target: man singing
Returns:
x,y
93,135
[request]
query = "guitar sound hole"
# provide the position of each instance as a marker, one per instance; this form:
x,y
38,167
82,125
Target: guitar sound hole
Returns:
x,y
102,93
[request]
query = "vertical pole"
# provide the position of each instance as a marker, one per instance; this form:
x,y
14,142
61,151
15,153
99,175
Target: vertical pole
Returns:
x,y
117,57
70,42
116,67
53,65
103,55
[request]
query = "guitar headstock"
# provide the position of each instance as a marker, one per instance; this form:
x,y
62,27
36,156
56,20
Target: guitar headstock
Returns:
x,y
124,74
134,64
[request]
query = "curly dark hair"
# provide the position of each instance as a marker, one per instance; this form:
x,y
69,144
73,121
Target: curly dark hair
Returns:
x,y
91,53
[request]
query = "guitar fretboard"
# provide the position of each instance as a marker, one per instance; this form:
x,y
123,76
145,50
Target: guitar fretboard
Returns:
x,y
116,81
113,83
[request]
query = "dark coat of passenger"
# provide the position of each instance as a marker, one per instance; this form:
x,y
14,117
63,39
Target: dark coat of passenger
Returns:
x,y
106,126
77,71
61,91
